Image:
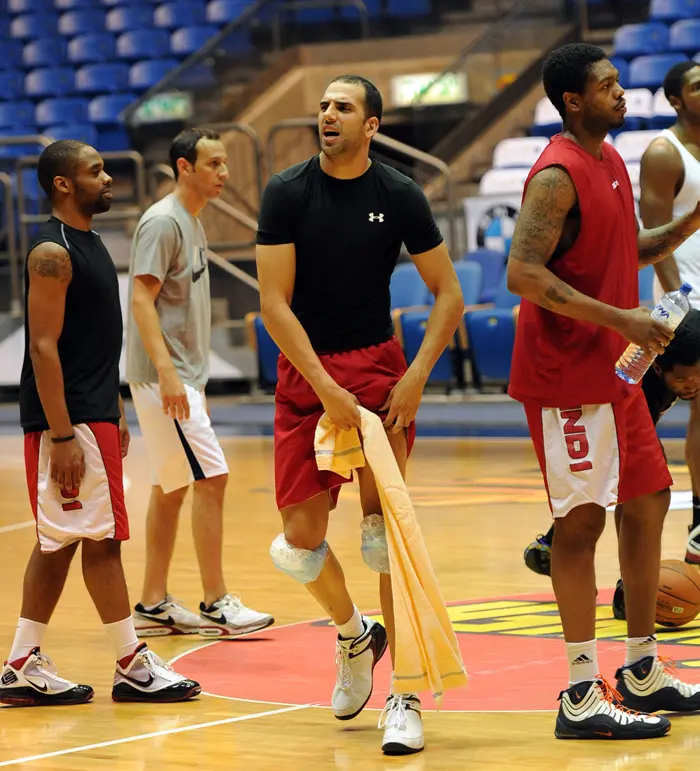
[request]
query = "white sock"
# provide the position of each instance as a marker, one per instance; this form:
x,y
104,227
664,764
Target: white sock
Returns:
x,y
123,637
352,628
583,661
28,636
639,648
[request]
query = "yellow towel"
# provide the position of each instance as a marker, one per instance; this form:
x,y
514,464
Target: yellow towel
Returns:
x,y
427,652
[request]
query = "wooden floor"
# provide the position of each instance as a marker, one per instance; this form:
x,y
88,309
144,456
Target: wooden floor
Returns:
x,y
480,503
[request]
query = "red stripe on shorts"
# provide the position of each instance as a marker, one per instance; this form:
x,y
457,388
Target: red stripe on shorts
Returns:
x,y
32,445
107,437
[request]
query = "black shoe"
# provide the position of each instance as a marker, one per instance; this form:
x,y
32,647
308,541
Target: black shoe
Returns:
x,y
649,686
33,682
618,603
538,556
589,710
147,678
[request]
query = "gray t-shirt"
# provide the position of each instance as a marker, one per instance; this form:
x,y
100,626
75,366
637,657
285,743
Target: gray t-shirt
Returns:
x,y
169,244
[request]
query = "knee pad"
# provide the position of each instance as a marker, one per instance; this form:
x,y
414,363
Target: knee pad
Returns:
x,y
375,551
302,565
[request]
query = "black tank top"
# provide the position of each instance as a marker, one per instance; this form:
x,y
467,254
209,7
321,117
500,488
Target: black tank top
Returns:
x,y
90,344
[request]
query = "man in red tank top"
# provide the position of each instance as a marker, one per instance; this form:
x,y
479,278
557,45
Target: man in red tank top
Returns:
x,y
574,259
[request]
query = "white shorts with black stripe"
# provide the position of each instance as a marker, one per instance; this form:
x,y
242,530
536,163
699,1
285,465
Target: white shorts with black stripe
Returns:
x,y
180,451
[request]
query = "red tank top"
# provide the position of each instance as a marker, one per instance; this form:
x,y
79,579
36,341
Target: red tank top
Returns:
x,y
562,362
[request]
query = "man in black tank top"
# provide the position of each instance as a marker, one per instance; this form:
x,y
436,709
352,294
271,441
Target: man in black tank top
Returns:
x,y
662,177
75,439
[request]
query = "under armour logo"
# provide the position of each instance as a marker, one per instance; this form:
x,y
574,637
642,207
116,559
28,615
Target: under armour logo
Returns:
x,y
378,217
615,185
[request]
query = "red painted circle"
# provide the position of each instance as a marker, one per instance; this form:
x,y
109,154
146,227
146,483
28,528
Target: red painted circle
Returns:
x,y
511,646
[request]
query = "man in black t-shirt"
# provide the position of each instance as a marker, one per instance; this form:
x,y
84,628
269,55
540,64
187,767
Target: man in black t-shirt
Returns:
x,y
75,437
329,236
673,375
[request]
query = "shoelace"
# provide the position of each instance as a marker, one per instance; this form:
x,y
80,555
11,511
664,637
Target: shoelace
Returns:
x,y
670,672
342,667
230,602
47,667
613,697
153,662
394,713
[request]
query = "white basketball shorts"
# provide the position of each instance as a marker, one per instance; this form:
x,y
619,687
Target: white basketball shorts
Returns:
x,y
180,451
96,510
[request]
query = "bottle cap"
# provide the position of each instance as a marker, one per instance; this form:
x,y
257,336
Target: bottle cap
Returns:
x,y
686,288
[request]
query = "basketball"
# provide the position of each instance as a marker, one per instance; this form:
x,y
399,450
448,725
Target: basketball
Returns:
x,y
678,596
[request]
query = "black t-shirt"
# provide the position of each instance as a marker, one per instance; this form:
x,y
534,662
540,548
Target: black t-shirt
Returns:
x,y
347,235
90,344
658,395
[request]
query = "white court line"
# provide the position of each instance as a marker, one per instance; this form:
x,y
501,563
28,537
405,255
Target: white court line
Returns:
x,y
154,735
17,526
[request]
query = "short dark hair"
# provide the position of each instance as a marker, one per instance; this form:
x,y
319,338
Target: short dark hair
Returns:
x,y
185,145
684,349
59,159
675,78
566,69
374,105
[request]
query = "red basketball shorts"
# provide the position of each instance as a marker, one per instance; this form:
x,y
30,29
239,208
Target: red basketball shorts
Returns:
x,y
96,511
601,453
368,373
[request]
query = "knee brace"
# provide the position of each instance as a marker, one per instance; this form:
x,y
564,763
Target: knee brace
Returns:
x,y
375,551
302,565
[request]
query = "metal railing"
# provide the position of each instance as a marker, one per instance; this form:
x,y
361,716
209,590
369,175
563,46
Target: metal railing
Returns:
x,y
391,144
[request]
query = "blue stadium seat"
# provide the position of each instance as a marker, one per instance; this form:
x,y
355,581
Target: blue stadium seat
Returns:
x,y
49,81
143,75
186,41
646,285
11,84
181,13
82,21
45,52
112,77
265,348
34,25
19,113
105,110
71,5
409,7
650,71
16,151
470,277
623,68
685,36
54,111
640,39
407,288
12,54
113,140
374,9
29,6
491,335
671,10
91,48
224,11
411,333
143,44
82,132
127,17
492,266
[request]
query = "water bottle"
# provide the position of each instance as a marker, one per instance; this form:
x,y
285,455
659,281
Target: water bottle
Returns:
x,y
671,309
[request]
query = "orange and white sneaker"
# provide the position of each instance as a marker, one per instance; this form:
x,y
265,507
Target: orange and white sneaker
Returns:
x,y
592,710
143,676
34,682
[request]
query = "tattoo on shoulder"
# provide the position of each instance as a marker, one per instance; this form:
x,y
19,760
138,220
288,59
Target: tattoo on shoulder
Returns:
x,y
50,261
550,197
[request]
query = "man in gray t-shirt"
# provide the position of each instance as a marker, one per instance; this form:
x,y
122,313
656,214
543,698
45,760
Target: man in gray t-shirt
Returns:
x,y
167,367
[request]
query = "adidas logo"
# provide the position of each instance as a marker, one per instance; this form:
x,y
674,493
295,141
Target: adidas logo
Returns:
x,y
8,677
582,659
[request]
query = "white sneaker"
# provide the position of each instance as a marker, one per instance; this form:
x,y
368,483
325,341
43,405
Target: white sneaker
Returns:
x,y
167,618
147,677
402,724
229,617
33,682
355,661
692,552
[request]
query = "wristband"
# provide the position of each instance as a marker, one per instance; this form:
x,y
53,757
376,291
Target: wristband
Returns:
x,y
62,439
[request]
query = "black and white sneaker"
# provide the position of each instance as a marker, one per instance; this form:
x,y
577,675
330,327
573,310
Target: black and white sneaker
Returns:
x,y
143,676
355,661
402,724
33,682
167,618
692,551
591,710
618,603
651,685
229,617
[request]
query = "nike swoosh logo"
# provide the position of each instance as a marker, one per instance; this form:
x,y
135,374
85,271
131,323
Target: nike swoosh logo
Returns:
x,y
43,687
169,621
197,274
221,620
140,683
603,733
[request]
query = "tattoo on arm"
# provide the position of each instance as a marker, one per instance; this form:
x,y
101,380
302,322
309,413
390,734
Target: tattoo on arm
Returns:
x,y
50,261
656,244
558,294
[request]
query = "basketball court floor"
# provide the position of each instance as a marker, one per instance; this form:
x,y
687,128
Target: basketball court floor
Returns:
x,y
266,697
